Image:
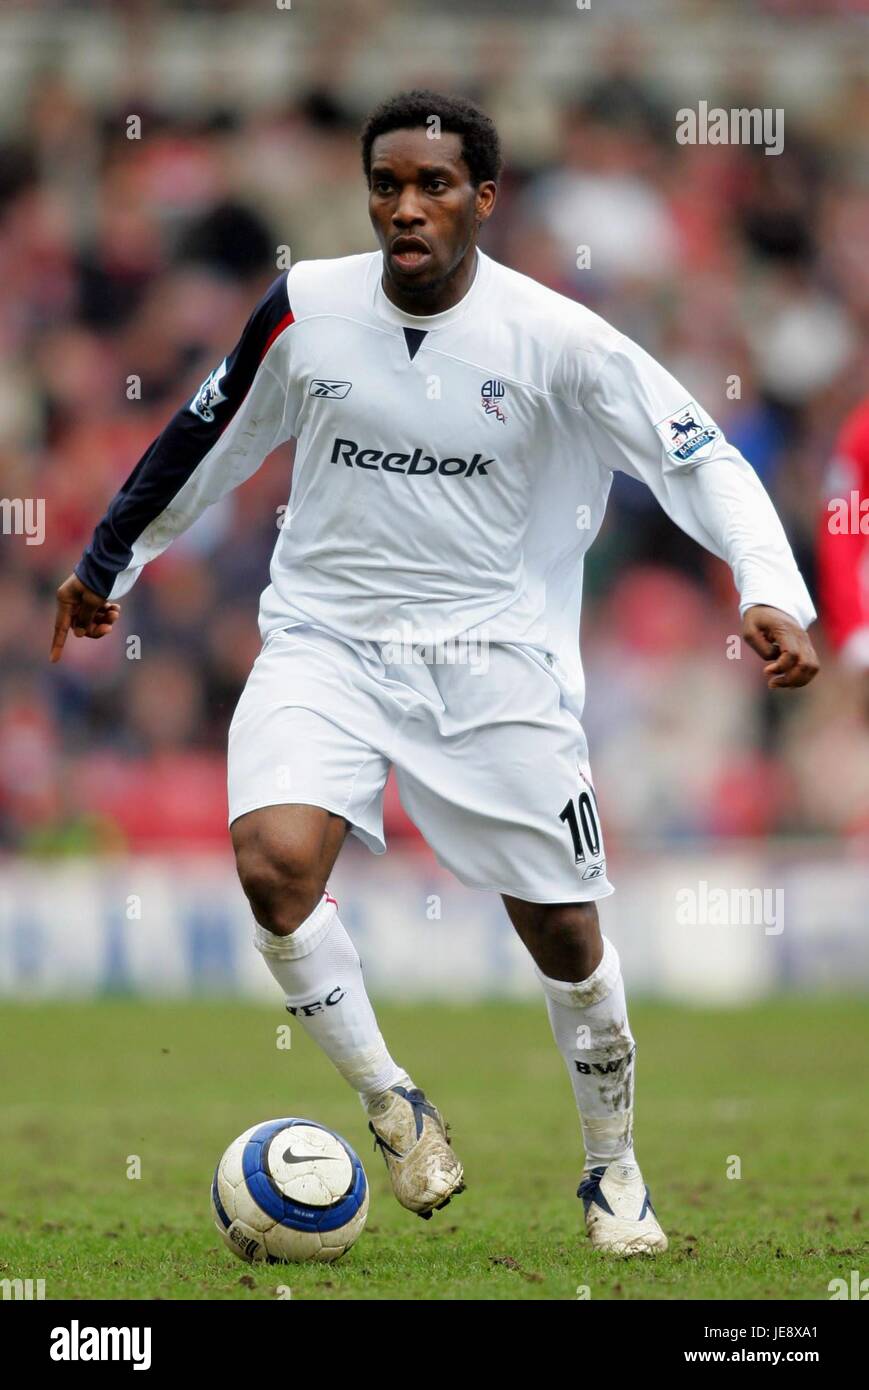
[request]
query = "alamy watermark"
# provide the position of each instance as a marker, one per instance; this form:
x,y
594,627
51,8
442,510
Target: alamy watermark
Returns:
x,y
23,516
78,1343
407,645
22,1288
856,1287
757,125
848,516
731,907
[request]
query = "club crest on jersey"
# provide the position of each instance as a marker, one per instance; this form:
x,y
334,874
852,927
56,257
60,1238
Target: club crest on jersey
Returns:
x,y
492,393
209,395
686,437
334,390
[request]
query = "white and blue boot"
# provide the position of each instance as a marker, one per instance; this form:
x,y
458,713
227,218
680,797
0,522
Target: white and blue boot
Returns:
x,y
410,1133
619,1215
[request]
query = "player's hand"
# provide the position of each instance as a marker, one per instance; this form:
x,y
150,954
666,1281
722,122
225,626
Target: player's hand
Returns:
x,y
79,608
791,660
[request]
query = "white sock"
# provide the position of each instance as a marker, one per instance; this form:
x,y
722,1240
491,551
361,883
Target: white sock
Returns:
x,y
319,971
590,1025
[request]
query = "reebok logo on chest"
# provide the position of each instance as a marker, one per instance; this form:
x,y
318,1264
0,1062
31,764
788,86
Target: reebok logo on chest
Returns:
x,y
412,464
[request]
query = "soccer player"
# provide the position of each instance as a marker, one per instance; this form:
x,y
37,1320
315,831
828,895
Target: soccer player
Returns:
x,y
458,427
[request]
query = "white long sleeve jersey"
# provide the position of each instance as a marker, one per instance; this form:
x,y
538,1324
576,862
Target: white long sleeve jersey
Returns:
x,y
451,471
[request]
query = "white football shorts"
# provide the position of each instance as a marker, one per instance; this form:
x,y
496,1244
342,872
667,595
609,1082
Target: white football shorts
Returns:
x,y
491,764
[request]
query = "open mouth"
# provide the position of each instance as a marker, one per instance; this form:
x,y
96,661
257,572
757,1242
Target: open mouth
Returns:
x,y
409,253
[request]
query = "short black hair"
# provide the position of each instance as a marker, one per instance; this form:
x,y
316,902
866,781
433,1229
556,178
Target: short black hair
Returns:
x,y
481,148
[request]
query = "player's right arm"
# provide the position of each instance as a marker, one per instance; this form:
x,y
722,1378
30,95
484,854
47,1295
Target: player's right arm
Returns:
x,y
213,443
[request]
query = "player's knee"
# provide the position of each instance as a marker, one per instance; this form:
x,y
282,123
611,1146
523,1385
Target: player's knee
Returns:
x,y
573,917
574,927
563,938
554,919
283,885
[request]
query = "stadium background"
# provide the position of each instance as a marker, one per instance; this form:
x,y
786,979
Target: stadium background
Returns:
x,y
124,258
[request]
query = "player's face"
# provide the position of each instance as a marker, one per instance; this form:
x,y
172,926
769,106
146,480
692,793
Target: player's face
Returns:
x,y
426,213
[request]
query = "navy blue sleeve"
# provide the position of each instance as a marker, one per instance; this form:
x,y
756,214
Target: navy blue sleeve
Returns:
x,y
175,479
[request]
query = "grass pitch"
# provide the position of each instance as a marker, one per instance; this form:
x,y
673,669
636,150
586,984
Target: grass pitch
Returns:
x,y
775,1091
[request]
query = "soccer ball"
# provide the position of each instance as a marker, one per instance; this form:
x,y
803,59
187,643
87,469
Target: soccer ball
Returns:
x,y
289,1190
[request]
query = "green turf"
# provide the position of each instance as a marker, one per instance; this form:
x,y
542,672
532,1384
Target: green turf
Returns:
x,y
782,1086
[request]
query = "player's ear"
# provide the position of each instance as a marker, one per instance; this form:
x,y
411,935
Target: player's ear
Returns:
x,y
485,197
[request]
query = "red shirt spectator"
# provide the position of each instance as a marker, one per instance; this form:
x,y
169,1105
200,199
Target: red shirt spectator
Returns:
x,y
843,542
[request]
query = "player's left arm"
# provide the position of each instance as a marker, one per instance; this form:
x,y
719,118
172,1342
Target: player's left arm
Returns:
x,y
645,423
791,660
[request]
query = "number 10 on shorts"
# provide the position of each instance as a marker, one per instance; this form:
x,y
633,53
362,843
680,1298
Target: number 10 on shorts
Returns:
x,y
581,819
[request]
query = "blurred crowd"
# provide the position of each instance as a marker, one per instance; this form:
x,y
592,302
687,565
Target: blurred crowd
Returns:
x,y
127,269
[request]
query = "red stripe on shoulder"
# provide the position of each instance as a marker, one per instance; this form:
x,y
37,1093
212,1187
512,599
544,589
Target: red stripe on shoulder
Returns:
x,y
277,331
